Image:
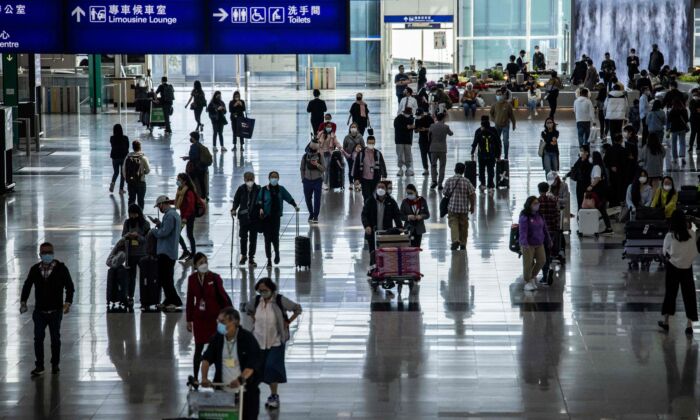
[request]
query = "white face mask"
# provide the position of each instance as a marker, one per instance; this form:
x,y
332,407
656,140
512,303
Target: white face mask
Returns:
x,y
249,184
381,192
643,179
370,146
353,131
203,268
667,187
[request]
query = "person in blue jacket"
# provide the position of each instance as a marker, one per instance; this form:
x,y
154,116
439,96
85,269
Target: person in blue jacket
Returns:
x,y
270,201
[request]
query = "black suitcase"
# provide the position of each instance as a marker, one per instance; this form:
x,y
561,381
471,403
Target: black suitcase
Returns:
x,y
470,171
690,210
514,244
149,286
302,249
502,174
117,285
688,196
649,213
646,229
336,173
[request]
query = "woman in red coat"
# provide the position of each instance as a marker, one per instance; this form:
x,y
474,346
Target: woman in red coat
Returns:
x,y
185,201
206,297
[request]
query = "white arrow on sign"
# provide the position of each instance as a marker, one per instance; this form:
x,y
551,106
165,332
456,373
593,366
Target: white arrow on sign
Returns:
x,y
78,12
221,14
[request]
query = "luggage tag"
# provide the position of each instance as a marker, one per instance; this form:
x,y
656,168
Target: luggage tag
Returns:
x,y
134,242
230,363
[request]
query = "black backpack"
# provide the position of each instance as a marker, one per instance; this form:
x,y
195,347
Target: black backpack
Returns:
x,y
133,170
278,299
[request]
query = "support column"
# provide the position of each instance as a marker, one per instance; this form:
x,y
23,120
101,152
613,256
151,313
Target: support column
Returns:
x,y
95,82
10,90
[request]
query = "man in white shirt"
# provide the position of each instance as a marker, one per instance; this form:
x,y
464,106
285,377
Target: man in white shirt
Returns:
x,y
408,101
585,116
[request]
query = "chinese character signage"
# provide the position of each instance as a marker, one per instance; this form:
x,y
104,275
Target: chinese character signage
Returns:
x,y
175,26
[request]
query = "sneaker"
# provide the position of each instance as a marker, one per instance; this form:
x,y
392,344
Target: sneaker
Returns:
x,y
482,188
454,246
607,231
277,258
273,402
529,117
325,187
111,187
243,260
433,185
269,262
241,147
121,190
530,286
223,149
410,173
536,113
400,172
663,325
252,263
462,247
425,172
184,256
683,162
215,149
55,370
315,220
37,372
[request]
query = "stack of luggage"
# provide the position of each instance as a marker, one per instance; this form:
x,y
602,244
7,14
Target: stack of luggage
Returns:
x,y
689,201
644,238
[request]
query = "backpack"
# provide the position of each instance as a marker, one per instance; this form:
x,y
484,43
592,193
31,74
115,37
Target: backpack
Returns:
x,y
278,299
133,170
200,206
205,157
168,93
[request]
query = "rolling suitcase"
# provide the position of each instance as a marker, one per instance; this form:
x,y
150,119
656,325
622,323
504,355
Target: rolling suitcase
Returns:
x,y
514,244
149,286
302,249
502,174
470,171
588,222
117,285
336,177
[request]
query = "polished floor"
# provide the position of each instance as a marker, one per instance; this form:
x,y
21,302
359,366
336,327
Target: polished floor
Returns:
x,y
468,344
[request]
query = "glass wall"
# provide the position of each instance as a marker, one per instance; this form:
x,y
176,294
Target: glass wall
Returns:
x,y
489,31
182,70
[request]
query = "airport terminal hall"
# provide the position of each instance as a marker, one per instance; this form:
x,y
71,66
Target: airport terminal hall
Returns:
x,y
349,209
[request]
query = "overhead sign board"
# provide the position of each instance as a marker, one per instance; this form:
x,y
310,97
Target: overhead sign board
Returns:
x,y
31,26
176,26
418,18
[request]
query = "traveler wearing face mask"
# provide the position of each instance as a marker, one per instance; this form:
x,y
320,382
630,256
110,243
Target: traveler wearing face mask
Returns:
x,y
134,233
438,133
678,121
185,202
462,202
469,101
369,168
560,189
352,140
198,161
327,142
136,186
167,231
271,199
414,212
217,115
359,114
50,278
549,210
244,206
423,123
534,236
489,151
550,155
316,108
600,184
404,124
312,170
237,358
206,297
502,114
271,329
380,212
581,173
237,110
327,119
639,193
666,197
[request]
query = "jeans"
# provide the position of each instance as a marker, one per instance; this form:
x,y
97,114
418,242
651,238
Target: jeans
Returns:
x,y
459,227
504,132
682,277
550,162
469,108
583,129
218,131
247,234
678,144
137,192
190,237
487,166
531,105
312,189
41,321
435,157
534,258
272,236
117,167
166,274
404,157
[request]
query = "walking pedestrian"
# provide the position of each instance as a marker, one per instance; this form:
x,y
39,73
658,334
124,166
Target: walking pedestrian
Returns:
x,y
438,150
585,116
581,173
270,202
134,234
616,108
489,151
380,212
197,102
198,161
694,108
312,170
678,122
414,211
186,202
462,198
120,149
502,114
217,114
167,233
404,124
534,237
244,206
237,111
327,142
369,168
350,143
316,108
552,88
423,123
550,137
135,169
166,96
359,114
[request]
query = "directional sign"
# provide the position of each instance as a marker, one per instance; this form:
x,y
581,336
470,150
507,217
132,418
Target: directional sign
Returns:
x,y
135,26
418,18
31,26
279,27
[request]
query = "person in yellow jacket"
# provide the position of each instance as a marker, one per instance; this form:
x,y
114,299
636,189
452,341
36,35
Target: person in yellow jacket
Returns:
x,y
666,197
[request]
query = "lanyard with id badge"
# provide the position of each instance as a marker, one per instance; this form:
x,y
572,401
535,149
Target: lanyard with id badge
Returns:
x,y
229,361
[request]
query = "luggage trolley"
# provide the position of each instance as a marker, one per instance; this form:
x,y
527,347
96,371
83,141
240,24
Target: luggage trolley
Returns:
x,y
643,244
156,117
397,262
214,404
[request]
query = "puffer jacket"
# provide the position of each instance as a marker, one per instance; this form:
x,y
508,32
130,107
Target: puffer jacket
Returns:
x,y
616,106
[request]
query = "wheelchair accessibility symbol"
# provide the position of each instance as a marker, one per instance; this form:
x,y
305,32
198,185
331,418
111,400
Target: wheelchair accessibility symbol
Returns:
x,y
258,15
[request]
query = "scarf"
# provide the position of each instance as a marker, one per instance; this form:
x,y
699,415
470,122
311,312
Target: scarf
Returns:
x,y
180,196
363,108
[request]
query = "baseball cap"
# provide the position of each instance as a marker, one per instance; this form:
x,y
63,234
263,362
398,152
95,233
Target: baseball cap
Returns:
x,y
162,199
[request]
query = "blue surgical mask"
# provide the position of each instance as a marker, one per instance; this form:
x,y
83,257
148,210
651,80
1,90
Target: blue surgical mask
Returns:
x,y
179,183
274,181
220,328
411,196
498,98
47,258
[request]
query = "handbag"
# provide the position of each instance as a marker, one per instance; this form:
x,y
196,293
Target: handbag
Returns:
x,y
245,126
444,204
540,149
370,130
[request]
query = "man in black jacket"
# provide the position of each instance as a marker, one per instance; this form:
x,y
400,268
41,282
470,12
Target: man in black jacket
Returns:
x,y
608,68
317,108
369,168
404,124
656,60
616,163
238,360
379,213
244,202
632,66
49,277
487,140
580,68
538,61
166,97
